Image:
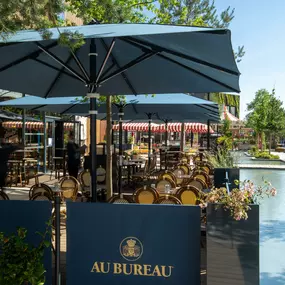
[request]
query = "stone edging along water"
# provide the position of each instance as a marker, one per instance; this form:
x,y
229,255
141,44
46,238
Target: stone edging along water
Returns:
x,y
262,166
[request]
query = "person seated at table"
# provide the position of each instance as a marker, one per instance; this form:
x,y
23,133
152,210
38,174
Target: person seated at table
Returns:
x,y
73,156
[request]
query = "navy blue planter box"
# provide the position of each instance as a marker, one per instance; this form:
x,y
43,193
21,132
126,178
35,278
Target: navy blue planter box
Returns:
x,y
220,174
232,247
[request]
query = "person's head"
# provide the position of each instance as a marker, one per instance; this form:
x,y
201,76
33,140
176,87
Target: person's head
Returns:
x,y
71,136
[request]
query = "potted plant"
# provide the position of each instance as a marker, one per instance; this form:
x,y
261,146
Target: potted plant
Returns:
x,y
135,154
21,263
232,231
225,168
223,161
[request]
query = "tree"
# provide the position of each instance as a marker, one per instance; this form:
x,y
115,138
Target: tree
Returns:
x,y
276,117
266,114
257,118
41,14
226,140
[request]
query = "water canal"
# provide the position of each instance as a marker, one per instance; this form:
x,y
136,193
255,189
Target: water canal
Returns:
x,y
272,225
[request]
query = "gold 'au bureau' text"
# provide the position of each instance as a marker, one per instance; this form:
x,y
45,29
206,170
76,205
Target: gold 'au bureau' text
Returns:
x,y
132,269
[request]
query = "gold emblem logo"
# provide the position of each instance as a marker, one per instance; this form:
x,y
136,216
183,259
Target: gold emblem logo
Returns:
x,y
131,248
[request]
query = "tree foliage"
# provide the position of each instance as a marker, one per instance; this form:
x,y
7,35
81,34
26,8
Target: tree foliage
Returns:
x,y
110,11
226,140
266,113
42,14
29,14
191,12
226,99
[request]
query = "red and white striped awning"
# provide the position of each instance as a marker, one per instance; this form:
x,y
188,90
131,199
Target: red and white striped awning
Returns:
x,y
137,127
32,125
228,115
188,127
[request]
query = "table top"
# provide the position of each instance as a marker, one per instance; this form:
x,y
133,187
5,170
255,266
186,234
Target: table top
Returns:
x,y
25,150
128,163
30,160
139,160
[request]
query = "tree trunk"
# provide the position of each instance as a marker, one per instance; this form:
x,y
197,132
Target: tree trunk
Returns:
x,y
263,141
270,140
109,177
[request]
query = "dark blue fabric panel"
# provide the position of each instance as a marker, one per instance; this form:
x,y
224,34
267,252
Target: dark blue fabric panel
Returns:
x,y
33,216
166,235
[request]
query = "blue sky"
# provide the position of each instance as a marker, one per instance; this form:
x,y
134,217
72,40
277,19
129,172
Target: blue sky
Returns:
x,y
259,25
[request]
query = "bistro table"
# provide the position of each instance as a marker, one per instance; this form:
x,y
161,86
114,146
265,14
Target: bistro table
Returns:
x,y
134,164
59,163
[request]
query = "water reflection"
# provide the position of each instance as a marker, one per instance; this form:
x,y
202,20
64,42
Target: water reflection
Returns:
x,y
272,226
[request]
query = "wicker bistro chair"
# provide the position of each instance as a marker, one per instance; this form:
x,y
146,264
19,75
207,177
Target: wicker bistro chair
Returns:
x,y
85,180
40,188
31,170
203,176
205,166
185,167
197,158
11,179
164,182
3,195
198,183
178,172
188,195
168,174
145,195
120,199
101,175
69,187
41,197
168,200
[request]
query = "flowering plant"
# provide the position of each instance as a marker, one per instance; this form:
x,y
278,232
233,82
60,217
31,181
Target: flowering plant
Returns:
x,y
238,200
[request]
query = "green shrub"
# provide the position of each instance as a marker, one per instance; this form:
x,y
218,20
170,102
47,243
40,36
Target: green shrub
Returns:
x,y
21,263
252,141
254,148
275,156
254,151
265,155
